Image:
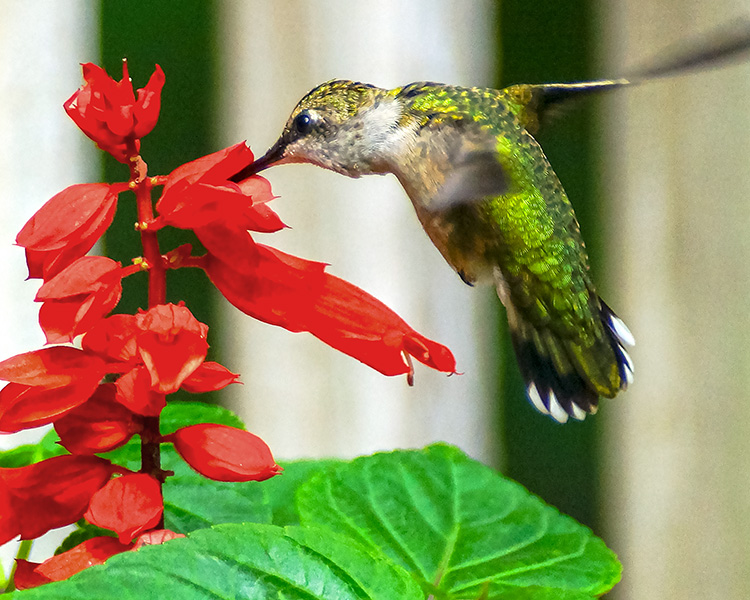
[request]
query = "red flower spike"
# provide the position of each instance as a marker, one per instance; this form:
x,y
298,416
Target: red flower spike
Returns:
x,y
113,339
298,295
135,393
209,377
67,227
224,453
100,424
49,494
108,112
156,537
128,505
79,296
94,551
171,343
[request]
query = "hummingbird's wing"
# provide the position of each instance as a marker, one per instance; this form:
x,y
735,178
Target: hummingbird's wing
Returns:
x,y
489,200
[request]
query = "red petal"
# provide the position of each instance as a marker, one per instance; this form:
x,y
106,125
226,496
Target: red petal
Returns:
x,y
66,227
26,576
100,424
296,294
134,392
128,505
52,367
172,344
52,493
83,276
94,551
25,407
224,453
209,377
146,110
216,167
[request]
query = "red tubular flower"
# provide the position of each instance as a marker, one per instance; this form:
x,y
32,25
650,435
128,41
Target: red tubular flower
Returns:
x,y
198,196
224,453
298,295
78,296
128,505
209,377
108,112
46,384
67,227
48,494
171,343
100,424
94,551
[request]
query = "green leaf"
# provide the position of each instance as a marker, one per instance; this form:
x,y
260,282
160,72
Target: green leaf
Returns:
x,y
459,528
280,490
241,561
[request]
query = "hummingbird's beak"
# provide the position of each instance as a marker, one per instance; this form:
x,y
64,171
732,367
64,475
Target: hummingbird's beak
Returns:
x,y
274,154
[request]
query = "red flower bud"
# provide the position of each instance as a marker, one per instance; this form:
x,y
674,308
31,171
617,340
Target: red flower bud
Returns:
x,y
128,505
67,227
79,296
224,453
108,112
209,377
134,391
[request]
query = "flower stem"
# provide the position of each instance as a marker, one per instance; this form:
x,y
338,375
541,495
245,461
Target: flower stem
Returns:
x,y
157,294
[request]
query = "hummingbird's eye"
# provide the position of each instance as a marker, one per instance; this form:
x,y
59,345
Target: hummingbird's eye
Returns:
x,y
303,123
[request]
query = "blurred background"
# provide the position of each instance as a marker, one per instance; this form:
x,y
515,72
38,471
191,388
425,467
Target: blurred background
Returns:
x,y
658,176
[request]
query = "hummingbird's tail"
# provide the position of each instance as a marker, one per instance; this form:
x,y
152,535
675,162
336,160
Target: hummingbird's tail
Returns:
x,y
565,379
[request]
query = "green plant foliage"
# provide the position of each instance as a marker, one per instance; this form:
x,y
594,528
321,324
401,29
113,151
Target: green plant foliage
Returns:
x,y
404,524
242,561
457,526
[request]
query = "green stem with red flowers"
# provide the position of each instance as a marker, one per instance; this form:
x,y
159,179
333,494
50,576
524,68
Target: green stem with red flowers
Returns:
x,y
157,294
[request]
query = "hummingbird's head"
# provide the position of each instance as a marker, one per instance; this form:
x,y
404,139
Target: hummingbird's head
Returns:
x,y
341,125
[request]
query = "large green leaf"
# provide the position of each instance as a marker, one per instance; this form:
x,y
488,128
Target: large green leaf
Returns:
x,y
459,528
242,561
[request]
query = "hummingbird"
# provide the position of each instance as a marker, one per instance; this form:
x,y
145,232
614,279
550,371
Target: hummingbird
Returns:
x,y
491,203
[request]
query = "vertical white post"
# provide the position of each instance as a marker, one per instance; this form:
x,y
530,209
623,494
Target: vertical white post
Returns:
x,y
42,43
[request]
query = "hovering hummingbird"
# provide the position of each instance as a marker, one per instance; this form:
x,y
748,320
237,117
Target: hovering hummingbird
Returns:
x,y
489,200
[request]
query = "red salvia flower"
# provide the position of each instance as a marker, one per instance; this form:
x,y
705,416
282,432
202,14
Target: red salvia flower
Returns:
x,y
224,453
108,112
171,343
48,494
79,296
67,227
298,295
94,551
46,384
100,424
127,505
